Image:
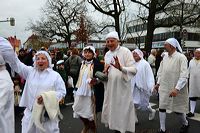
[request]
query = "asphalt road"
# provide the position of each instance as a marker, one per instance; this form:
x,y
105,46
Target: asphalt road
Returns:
x,y
71,125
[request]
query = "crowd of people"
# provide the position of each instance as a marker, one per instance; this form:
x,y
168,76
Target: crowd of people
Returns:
x,y
35,80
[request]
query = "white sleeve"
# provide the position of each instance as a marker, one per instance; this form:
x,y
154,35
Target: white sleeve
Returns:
x,y
182,81
129,70
60,88
10,57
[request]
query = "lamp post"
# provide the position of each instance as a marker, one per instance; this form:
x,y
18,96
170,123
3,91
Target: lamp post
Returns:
x,y
11,20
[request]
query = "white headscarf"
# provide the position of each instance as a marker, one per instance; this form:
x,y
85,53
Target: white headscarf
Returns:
x,y
198,49
174,43
91,48
44,53
2,61
139,52
112,34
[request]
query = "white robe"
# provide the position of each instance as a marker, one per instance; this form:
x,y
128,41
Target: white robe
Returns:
x,y
152,60
142,84
194,78
118,109
173,74
6,103
37,82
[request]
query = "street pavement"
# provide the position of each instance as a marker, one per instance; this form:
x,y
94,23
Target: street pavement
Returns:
x,y
71,125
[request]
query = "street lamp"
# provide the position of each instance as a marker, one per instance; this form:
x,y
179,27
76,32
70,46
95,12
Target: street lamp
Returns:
x,y
11,20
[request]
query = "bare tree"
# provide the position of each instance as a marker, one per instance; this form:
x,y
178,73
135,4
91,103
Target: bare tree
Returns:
x,y
112,8
170,18
62,19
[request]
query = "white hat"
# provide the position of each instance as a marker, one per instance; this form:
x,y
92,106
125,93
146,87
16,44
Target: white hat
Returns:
x,y
174,43
112,34
60,62
91,48
2,61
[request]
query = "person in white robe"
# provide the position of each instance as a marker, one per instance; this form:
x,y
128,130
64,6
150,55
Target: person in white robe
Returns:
x,y
142,84
118,111
84,104
40,78
172,85
7,124
194,81
152,59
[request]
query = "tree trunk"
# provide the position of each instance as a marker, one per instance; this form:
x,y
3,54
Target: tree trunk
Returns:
x,y
117,27
149,36
150,26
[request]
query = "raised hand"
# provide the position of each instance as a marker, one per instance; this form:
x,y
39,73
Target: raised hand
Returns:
x,y
116,65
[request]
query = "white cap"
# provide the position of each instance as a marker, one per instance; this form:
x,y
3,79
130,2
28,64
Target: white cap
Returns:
x,y
91,48
2,61
174,43
60,62
112,34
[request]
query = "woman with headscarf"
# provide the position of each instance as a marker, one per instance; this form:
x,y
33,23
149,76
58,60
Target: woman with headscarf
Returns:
x,y
39,79
142,84
87,84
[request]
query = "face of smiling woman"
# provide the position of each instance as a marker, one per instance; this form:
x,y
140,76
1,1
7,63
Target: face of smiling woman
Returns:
x,y
42,62
88,54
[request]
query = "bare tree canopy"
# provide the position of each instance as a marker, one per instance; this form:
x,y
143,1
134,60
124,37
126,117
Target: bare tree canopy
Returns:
x,y
112,8
178,12
62,19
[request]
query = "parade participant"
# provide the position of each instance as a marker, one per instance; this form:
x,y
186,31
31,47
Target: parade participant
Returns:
x,y
142,84
118,109
84,101
152,60
7,100
40,78
172,85
194,79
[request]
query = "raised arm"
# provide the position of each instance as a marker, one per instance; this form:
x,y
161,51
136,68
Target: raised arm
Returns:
x,y
10,57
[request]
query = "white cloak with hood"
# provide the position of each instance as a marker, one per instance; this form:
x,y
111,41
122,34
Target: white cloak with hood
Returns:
x,y
37,82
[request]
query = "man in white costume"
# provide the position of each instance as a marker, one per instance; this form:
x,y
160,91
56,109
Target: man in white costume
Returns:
x,y
152,60
6,100
40,78
142,84
194,81
172,85
118,109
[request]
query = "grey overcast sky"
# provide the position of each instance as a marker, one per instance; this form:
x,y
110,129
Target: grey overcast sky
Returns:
x,y
23,11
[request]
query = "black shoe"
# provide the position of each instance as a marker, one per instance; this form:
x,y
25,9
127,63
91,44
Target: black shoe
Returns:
x,y
161,131
184,128
190,114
